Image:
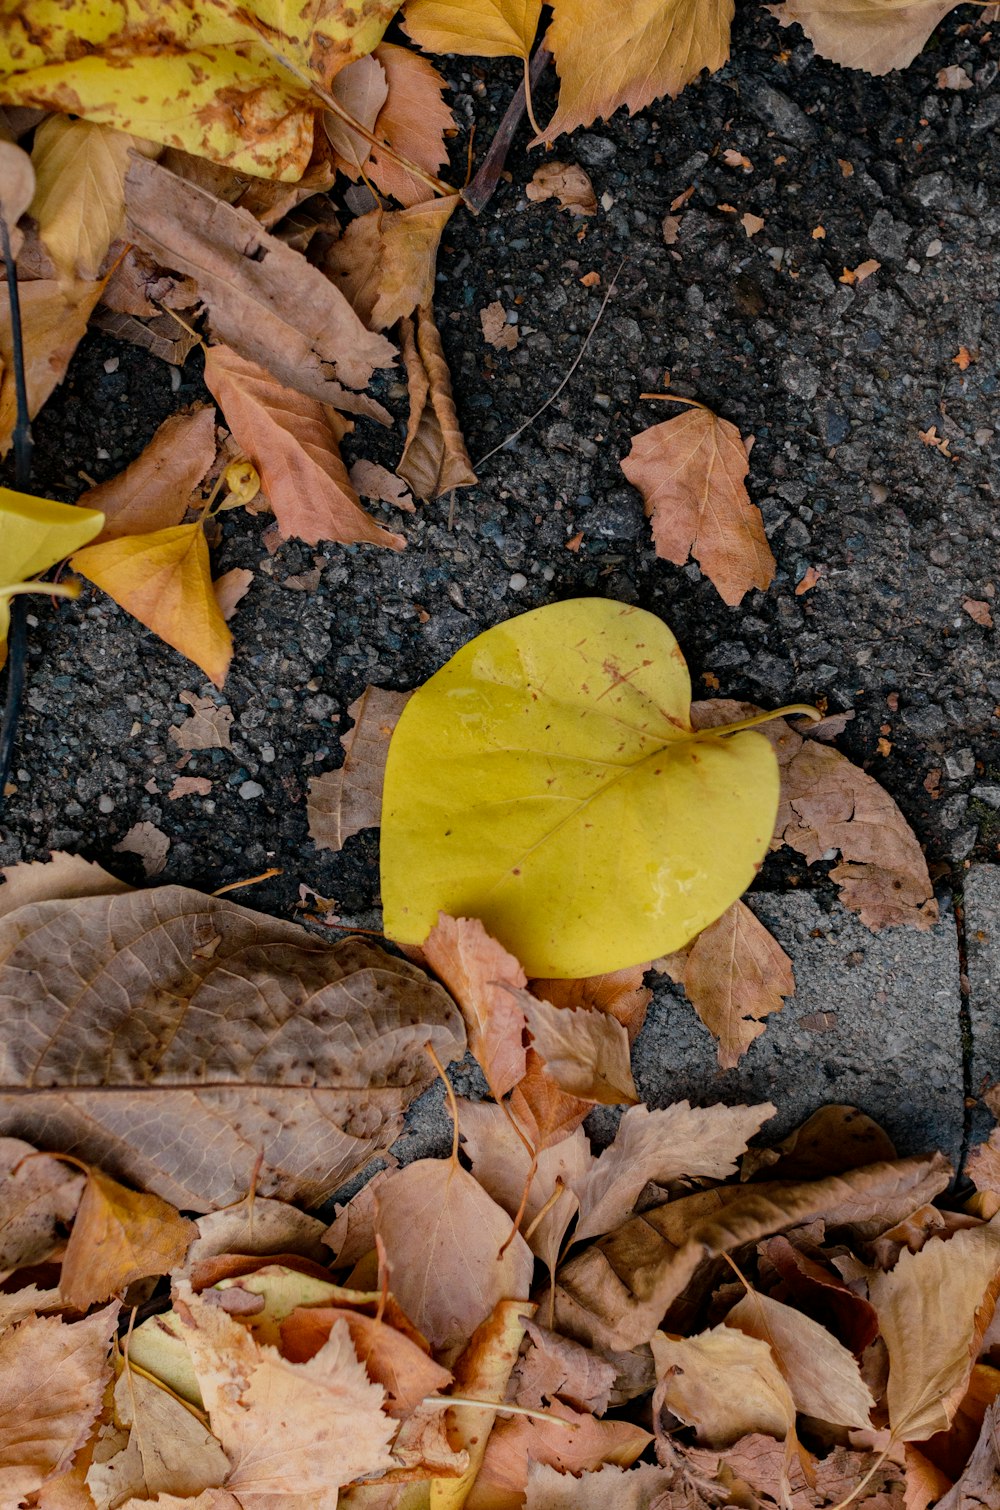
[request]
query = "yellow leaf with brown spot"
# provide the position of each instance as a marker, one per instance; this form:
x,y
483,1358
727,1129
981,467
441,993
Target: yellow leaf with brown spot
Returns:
x,y
165,581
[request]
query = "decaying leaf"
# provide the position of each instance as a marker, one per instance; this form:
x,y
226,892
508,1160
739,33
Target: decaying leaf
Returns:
x,y
53,319
544,1111
585,1052
734,974
566,182
264,299
345,801
207,728
648,49
582,1445
164,579
154,491
980,1483
723,1383
834,1139
168,1449
876,35
174,968
62,876
484,979
434,457
371,480
641,1488
405,1370
360,89
384,263
79,201
554,1367
585,748
443,1236
230,589
482,1373
288,437
690,471
150,843
119,1235
38,1199
620,993
496,331
413,122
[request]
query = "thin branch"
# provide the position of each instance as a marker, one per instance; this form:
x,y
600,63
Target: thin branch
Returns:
x,y
17,635
555,394
480,191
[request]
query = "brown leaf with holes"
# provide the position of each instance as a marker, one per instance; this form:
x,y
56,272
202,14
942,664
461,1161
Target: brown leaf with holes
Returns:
x,y
38,1200
119,1235
290,440
434,457
329,1050
734,975
371,480
482,977
345,801
620,993
207,728
154,491
690,471
384,264
566,182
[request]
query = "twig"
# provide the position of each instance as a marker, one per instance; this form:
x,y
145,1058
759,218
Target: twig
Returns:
x,y
17,637
480,191
555,394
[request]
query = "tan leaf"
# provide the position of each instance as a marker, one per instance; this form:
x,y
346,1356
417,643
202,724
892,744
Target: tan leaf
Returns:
x,y
384,263
496,331
404,1370
288,437
164,580
690,471
137,286
933,1309
723,1383
442,1236
476,28
543,1110
620,993
53,320
264,299
566,182
413,121
979,1483
150,843
52,1381
345,801
38,1200
168,1450
119,1236
259,1226
361,89
154,491
640,1488
735,974
876,35
615,1293
434,457
556,1367
647,50
230,589
288,1429
585,1052
482,977
983,1163
581,1447
698,1142
79,201
209,1499
328,1053
62,875
18,1305
189,786
371,480
17,187
822,1375
351,1234
207,728
925,1483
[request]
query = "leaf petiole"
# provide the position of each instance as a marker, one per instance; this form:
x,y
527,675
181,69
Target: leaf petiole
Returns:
x,y
69,589
797,710
502,1407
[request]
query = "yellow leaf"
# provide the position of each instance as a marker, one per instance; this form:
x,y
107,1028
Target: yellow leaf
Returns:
x,y
164,580
79,198
207,79
36,534
476,28
647,48
119,1236
724,1384
548,782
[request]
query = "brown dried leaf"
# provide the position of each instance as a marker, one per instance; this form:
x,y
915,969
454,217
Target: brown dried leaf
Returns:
x,y
834,1139
585,1052
161,335
345,801
544,1111
566,182
53,320
52,1381
328,1053
600,1489
723,1383
496,331
483,979
614,1294
434,457
168,1450
189,786
690,471
442,1236
207,728
259,1226
371,480
482,1372
983,1164
404,1370
933,1309
264,299
554,1367
351,1234
698,1142
288,1429
620,993
209,1499
288,437
822,1375
61,876
979,1485
818,1292
137,286
384,263
38,1200
154,491
360,89
150,843
230,589
413,121
865,34
119,1236
734,975
517,1442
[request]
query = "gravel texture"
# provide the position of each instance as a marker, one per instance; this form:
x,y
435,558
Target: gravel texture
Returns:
x,y
982,940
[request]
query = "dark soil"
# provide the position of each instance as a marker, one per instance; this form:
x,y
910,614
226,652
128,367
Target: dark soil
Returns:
x,y
834,382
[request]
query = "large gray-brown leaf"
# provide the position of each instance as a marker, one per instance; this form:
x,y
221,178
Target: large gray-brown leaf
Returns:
x,y
173,1038
345,801
615,1293
264,299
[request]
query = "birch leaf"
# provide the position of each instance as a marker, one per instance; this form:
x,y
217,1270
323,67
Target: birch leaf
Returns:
x,y
824,1378
876,35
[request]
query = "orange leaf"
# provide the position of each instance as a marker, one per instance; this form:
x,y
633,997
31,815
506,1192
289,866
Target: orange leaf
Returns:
x,y
478,972
119,1236
154,491
413,122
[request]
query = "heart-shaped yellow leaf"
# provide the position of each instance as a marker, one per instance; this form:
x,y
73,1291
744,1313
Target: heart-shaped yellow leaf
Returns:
x,y
36,534
548,782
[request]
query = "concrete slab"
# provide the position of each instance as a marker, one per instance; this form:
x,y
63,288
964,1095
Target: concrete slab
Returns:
x,y
982,942
875,1021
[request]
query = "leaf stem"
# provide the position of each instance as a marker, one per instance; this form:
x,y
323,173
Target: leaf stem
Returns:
x,y
501,1407
677,398
69,589
452,1098
529,107
800,710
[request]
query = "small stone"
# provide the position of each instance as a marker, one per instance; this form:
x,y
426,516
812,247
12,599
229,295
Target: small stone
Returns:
x,y
799,379
267,754
251,789
960,765
518,582
988,795
934,248
106,804
595,151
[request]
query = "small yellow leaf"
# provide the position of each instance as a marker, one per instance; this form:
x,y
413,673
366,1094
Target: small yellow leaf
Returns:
x,y
548,782
36,534
119,1236
165,581
79,201
474,28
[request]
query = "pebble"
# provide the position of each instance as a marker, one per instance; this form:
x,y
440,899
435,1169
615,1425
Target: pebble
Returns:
x,y
988,795
518,582
251,789
106,804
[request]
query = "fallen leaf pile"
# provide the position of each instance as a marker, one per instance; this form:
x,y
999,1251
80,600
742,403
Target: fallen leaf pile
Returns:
x,y
674,1318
